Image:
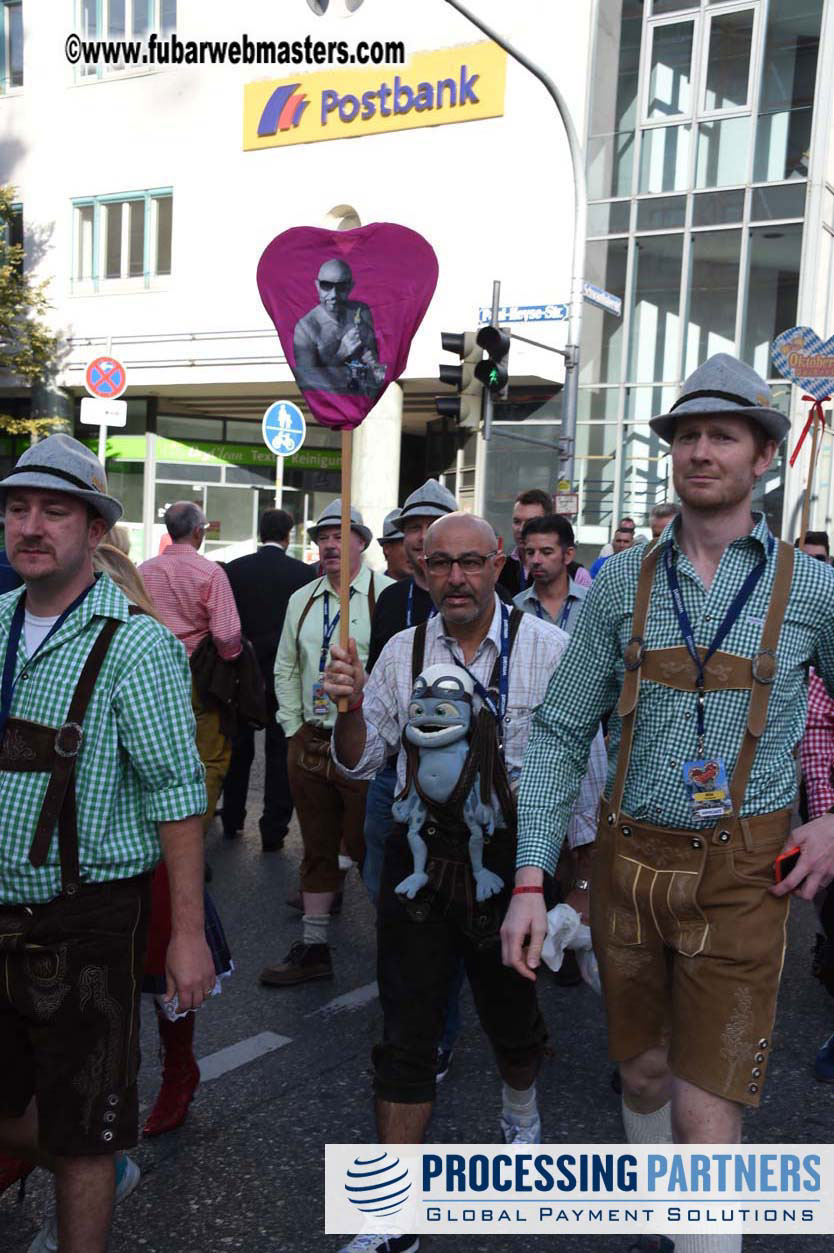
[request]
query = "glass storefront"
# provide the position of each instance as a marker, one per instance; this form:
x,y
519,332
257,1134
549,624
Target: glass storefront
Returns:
x,y
224,467
699,138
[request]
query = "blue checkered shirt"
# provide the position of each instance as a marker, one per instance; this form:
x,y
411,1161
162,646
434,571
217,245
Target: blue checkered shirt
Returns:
x,y
587,683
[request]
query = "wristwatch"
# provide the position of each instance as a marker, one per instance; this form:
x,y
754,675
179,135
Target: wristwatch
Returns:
x,y
581,885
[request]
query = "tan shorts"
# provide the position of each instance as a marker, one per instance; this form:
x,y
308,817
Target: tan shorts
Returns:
x,y
330,808
690,945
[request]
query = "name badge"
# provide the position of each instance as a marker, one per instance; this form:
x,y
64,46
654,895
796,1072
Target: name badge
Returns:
x,y
709,792
321,701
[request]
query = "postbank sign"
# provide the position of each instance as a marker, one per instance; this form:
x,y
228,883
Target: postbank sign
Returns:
x,y
462,84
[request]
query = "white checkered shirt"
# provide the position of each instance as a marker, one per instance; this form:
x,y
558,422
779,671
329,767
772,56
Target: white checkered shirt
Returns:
x,y
536,652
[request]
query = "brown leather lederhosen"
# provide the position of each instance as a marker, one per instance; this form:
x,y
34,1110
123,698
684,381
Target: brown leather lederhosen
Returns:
x,y
663,894
32,746
330,807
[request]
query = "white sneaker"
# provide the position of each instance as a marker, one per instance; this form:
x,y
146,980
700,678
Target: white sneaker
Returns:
x,y
365,1243
517,1131
46,1241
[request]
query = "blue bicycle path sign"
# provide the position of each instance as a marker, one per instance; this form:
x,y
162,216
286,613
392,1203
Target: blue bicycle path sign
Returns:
x,y
284,428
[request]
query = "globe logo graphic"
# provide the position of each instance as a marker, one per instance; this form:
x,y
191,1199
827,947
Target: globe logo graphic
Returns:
x,y
378,1185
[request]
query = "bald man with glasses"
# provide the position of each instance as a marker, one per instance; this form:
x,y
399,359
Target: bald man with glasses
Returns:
x,y
419,940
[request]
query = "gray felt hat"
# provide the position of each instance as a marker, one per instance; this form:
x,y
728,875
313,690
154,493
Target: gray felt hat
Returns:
x,y
727,386
332,516
60,463
390,528
432,500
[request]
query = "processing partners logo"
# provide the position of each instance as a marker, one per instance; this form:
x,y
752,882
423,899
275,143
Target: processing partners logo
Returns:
x,y
378,1185
587,1189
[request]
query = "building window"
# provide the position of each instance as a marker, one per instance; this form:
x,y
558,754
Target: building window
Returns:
x,y
698,156
123,19
11,44
122,239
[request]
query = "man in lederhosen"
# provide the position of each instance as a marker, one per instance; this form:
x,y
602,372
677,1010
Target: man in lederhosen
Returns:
x,y
510,656
701,646
98,764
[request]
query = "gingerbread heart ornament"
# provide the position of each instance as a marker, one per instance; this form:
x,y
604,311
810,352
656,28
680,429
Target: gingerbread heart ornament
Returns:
x,y
801,356
346,306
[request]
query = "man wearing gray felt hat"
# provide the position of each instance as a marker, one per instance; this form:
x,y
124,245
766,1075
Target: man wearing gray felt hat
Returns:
x,y
397,566
62,464
432,500
332,516
727,387
702,643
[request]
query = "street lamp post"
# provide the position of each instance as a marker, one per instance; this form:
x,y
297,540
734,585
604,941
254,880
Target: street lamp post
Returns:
x,y
570,393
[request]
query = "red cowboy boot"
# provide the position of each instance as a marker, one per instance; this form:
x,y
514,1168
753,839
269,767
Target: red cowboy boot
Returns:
x,y
180,1075
14,1170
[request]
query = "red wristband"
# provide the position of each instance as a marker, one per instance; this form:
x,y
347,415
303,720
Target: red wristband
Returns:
x,y
357,704
528,888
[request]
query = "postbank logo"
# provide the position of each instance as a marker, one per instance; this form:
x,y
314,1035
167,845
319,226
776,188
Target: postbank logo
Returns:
x,y
462,84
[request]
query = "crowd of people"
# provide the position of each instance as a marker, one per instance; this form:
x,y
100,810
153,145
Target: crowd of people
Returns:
x,y
504,730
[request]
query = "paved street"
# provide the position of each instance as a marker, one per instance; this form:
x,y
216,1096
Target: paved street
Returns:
x,y
246,1171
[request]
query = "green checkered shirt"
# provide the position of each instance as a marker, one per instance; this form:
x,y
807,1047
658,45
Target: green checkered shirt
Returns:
x,y
138,762
587,683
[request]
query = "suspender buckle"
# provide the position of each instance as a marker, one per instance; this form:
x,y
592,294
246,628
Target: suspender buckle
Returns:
x,y
635,651
75,734
765,666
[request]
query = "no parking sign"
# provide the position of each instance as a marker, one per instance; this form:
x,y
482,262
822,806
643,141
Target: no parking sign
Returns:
x,y
105,378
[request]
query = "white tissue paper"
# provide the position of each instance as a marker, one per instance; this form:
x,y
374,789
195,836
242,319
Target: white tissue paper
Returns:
x,y
565,929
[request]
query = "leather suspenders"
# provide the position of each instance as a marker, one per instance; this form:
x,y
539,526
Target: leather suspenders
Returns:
x,y
723,670
30,746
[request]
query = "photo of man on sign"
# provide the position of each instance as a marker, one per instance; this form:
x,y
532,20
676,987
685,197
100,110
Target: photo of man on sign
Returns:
x,y
335,343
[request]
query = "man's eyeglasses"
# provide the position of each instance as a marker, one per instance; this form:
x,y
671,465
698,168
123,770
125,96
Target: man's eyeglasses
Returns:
x,y
327,285
470,563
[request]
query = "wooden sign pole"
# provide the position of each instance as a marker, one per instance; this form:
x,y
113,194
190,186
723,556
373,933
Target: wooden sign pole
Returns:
x,y
344,568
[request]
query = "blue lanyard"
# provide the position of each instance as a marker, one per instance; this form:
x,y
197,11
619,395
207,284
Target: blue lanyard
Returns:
x,y
563,616
328,627
10,661
498,711
409,609
730,618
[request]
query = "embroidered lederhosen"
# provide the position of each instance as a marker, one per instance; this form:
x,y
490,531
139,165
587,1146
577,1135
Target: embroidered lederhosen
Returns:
x,y
32,746
689,939
444,830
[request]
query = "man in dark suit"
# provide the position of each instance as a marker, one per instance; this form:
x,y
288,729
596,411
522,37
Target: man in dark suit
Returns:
x,y
262,584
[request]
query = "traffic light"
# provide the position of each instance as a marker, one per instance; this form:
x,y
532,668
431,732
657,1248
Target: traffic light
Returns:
x,y
494,372
465,408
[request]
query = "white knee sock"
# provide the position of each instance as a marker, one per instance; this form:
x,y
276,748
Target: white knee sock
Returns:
x,y
520,1102
315,928
654,1128
692,1243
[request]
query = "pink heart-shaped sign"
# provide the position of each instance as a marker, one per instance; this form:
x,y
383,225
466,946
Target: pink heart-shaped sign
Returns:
x,y
346,306
800,355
